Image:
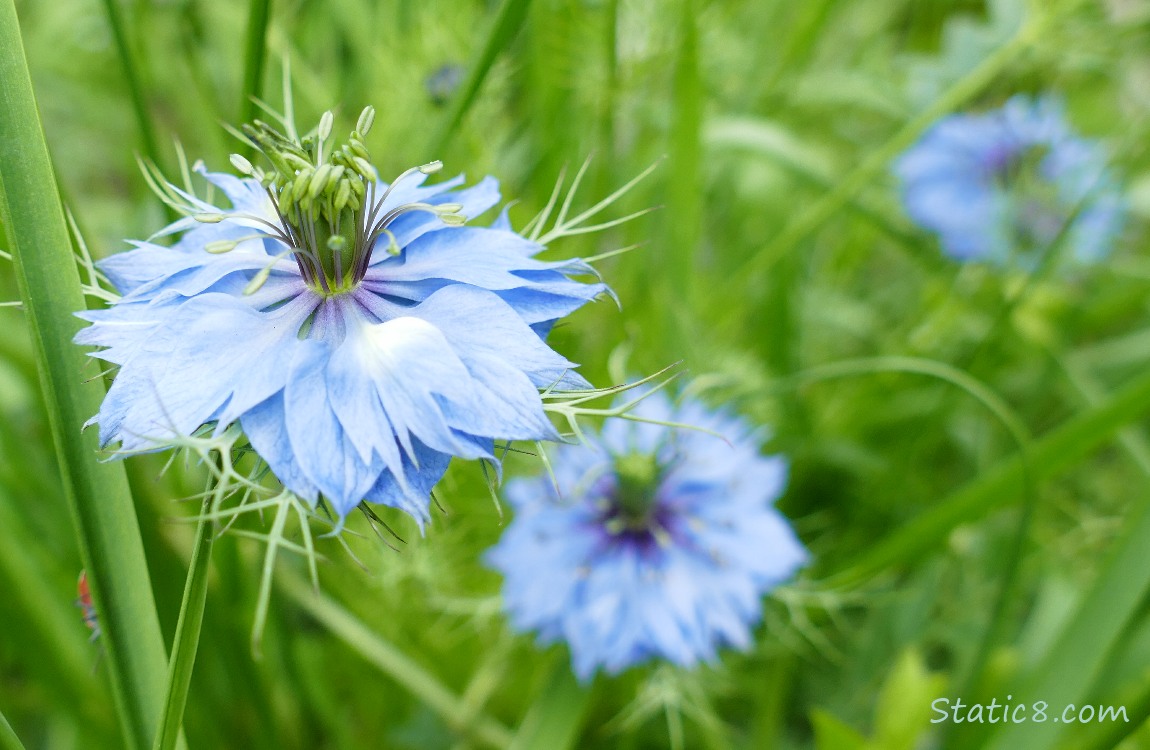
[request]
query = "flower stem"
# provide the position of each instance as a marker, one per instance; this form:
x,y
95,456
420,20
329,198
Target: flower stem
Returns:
x,y
97,492
187,630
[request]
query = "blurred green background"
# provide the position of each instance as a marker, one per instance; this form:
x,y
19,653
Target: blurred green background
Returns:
x,y
779,250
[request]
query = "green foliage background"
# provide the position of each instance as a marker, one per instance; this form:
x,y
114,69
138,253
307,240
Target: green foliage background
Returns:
x,y
780,271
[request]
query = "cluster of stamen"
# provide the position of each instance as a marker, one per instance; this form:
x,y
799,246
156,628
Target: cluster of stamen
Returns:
x,y
633,511
1040,215
328,202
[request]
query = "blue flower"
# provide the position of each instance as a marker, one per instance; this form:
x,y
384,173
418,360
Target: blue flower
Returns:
x,y
1003,185
359,335
659,544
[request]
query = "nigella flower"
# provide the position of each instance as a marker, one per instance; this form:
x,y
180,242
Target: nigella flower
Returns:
x,y
659,543
1003,186
359,335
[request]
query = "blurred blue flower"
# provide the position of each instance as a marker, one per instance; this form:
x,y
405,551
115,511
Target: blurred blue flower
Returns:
x,y
660,543
1001,186
359,335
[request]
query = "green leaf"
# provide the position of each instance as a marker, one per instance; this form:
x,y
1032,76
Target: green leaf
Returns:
x,y
832,734
903,712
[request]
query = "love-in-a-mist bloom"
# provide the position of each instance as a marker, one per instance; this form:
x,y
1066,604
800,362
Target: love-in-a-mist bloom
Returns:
x,y
359,334
1003,186
659,544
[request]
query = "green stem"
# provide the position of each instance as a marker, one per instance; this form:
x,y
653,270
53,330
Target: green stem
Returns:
x,y
393,662
135,83
8,738
97,492
187,630
259,12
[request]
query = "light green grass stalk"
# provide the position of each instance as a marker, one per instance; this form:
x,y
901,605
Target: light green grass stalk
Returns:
x,y
97,492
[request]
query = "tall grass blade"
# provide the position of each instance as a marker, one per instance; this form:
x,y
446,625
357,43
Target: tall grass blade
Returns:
x,y
503,32
97,492
685,196
8,738
134,80
255,49
1001,485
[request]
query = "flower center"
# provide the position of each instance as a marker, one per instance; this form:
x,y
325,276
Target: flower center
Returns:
x,y
1037,211
330,203
634,512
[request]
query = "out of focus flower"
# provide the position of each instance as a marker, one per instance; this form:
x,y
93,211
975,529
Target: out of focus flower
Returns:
x,y
354,329
659,543
1004,185
443,82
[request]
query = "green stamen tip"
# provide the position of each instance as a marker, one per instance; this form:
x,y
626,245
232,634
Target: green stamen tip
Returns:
x,y
220,246
242,165
366,119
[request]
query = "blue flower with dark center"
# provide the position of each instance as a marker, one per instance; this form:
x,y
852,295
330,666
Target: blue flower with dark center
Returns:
x,y
354,329
650,543
1005,185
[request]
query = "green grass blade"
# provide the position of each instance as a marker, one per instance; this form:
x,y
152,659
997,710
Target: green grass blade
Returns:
x,y
97,492
393,662
187,633
1000,486
255,49
8,738
503,32
1073,663
684,198
554,720
849,186
135,82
